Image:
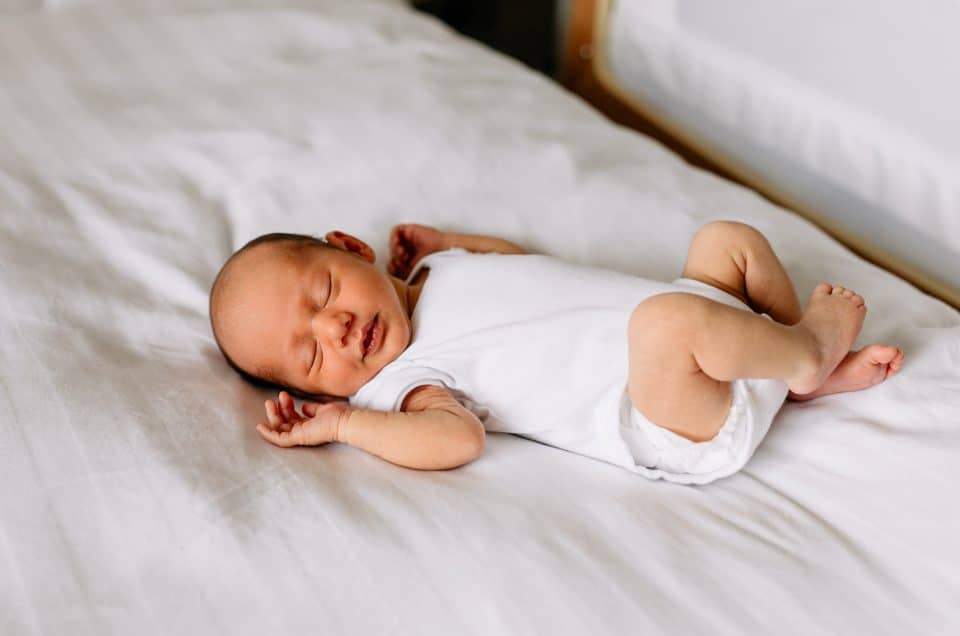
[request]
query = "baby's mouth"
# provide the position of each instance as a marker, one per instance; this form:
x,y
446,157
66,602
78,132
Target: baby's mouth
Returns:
x,y
371,335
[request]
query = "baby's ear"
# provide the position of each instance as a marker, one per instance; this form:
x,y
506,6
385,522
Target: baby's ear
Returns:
x,y
350,243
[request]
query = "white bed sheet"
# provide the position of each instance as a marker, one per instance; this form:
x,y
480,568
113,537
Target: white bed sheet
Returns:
x,y
137,152
847,108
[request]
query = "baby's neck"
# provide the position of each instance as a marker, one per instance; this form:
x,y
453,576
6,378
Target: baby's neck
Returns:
x,y
410,294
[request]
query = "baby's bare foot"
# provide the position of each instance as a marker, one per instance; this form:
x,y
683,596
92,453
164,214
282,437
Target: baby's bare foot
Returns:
x,y
833,318
860,370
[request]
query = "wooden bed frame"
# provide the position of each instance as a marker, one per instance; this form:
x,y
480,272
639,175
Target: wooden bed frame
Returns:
x,y
585,72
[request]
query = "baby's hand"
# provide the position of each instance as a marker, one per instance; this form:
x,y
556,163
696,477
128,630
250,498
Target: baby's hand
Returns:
x,y
318,424
409,243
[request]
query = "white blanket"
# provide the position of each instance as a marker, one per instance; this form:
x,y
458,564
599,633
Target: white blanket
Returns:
x,y
136,152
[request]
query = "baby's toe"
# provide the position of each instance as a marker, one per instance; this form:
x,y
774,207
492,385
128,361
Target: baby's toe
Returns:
x,y
897,361
838,290
894,364
823,288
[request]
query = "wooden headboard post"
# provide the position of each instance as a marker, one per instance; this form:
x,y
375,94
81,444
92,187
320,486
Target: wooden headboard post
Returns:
x,y
580,75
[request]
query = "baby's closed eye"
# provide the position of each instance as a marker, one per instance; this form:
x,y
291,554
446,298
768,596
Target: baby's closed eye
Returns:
x,y
312,356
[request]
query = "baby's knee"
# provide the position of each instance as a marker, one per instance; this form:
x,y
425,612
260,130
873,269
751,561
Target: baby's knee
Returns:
x,y
665,317
730,233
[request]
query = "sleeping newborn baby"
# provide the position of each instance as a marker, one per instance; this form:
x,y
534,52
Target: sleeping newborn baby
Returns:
x,y
467,334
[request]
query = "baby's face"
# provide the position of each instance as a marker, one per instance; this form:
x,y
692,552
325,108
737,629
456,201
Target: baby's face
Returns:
x,y
322,320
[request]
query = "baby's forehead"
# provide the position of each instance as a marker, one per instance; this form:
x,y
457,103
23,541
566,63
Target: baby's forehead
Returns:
x,y
270,265
271,251
277,267
275,258
252,270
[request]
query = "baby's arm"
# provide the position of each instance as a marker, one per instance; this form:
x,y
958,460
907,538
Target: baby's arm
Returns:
x,y
481,244
433,431
410,242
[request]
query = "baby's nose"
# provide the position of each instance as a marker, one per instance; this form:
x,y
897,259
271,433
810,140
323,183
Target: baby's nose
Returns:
x,y
338,328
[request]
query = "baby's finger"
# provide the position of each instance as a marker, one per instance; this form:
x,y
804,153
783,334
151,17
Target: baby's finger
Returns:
x,y
276,438
287,409
398,251
310,408
396,237
398,229
272,415
398,268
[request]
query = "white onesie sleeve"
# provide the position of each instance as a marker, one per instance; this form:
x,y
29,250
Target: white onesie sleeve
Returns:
x,y
387,390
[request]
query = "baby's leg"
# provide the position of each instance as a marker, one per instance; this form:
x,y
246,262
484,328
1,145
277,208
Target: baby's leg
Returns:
x,y
738,259
684,350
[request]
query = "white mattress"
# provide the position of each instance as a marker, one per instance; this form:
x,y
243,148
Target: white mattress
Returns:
x,y
137,152
849,109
